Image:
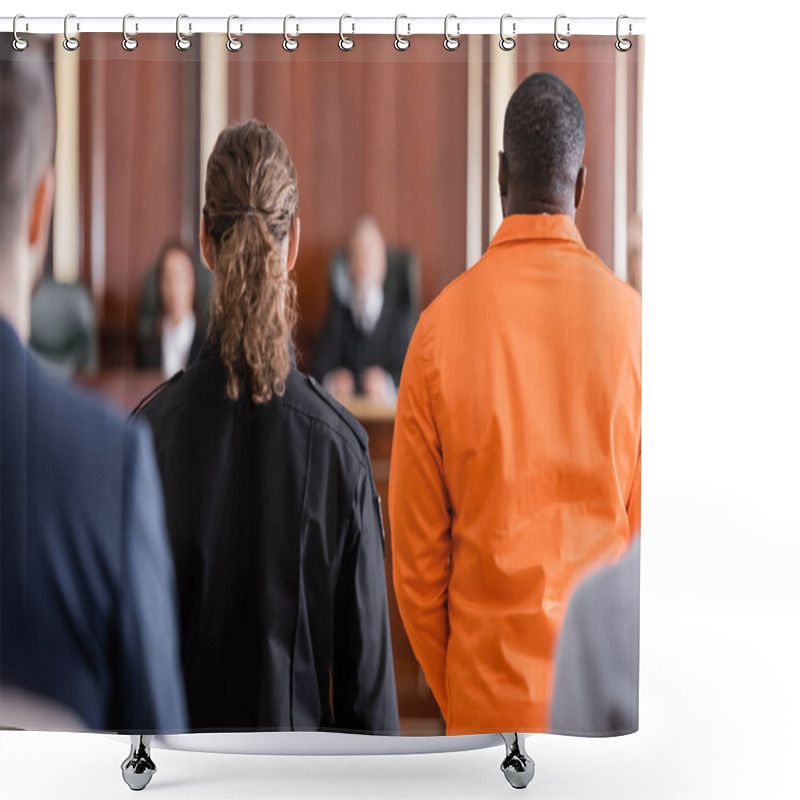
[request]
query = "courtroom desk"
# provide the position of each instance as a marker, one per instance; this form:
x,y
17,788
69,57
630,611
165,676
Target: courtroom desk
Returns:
x,y
419,713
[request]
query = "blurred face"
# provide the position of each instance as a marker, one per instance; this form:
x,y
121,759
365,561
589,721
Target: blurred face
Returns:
x,y
177,285
367,262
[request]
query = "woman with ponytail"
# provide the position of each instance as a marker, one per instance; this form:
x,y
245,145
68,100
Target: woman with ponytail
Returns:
x,y
273,515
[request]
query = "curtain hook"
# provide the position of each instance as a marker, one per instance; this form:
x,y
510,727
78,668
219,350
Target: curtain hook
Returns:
x,y
451,42
181,42
233,44
345,42
623,45
129,43
19,44
401,42
70,42
560,42
290,43
506,42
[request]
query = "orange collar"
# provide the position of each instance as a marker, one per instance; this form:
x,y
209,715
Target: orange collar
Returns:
x,y
518,227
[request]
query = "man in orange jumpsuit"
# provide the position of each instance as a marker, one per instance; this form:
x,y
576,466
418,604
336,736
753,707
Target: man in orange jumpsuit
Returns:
x,y
516,454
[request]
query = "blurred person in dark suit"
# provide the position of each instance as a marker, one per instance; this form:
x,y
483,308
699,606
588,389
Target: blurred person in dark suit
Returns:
x,y
364,341
175,338
87,610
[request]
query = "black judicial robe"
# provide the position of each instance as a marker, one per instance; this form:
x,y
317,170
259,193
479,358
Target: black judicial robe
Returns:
x,y
276,531
344,344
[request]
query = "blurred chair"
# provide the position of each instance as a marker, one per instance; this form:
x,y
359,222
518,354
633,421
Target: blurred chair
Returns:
x,y
401,286
64,327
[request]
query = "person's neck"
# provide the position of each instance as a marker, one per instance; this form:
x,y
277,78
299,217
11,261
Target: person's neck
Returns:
x,y
523,205
173,322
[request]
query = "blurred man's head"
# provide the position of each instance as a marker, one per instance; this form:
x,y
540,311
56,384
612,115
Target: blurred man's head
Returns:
x,y
176,283
27,148
544,136
367,256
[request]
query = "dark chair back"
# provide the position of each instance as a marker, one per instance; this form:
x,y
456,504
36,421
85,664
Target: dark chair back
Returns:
x,y
64,327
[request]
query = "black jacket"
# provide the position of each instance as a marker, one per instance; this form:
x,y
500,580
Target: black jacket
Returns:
x,y
344,344
277,535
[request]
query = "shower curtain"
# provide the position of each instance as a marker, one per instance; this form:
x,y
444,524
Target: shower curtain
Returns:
x,y
465,378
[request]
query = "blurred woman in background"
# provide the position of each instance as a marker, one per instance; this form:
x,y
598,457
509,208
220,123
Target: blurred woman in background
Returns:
x,y
271,506
172,314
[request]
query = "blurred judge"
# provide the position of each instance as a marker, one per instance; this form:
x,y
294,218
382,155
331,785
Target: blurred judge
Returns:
x,y
515,457
364,340
272,510
177,337
87,606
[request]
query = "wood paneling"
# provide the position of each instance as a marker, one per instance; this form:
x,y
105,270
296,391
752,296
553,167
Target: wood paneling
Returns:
x,y
138,171
372,131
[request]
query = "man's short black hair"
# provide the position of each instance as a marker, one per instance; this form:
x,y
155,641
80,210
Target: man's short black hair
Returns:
x,y
544,135
27,127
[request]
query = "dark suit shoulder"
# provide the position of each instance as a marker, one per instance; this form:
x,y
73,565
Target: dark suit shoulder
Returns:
x,y
74,417
77,441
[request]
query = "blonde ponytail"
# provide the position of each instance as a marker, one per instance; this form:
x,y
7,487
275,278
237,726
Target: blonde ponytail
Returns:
x,y
251,203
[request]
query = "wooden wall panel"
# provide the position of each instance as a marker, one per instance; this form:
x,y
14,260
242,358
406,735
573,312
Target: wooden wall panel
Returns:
x,y
372,131
138,172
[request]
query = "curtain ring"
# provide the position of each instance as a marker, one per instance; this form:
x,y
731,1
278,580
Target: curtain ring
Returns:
x,y
451,42
290,44
181,42
400,42
19,44
506,42
233,44
560,43
70,42
129,43
623,45
345,42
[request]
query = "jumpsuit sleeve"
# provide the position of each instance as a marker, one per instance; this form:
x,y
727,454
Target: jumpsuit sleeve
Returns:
x,y
149,693
364,694
419,511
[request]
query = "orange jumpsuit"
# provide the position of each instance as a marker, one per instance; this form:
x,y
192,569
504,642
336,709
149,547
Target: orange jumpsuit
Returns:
x,y
515,466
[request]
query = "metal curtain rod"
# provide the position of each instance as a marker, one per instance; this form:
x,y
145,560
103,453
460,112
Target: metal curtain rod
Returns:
x,y
297,26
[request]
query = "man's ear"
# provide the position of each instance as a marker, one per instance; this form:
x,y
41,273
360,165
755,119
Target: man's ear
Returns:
x,y
502,174
294,244
580,186
42,211
205,245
